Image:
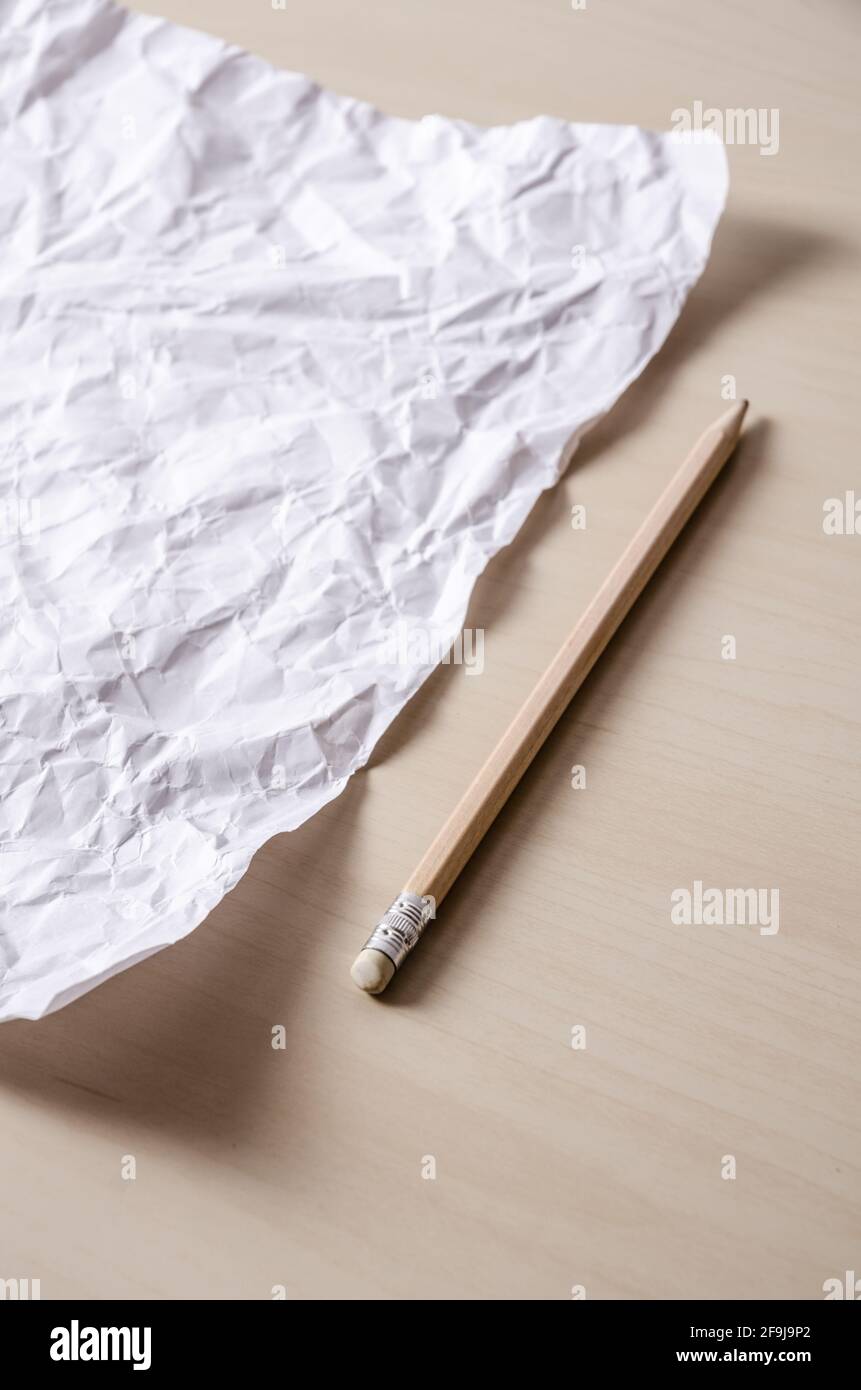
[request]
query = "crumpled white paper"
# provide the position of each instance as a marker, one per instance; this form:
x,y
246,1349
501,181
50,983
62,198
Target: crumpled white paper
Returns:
x,y
281,374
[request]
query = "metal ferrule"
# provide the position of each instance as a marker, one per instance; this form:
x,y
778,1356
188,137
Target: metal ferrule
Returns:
x,y
397,933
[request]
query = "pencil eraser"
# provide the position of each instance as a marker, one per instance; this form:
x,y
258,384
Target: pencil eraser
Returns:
x,y
372,971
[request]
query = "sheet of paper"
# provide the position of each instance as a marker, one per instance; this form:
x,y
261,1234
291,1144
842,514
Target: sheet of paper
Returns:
x,y
281,374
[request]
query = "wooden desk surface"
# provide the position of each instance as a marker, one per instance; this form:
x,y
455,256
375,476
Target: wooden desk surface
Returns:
x,y
555,1166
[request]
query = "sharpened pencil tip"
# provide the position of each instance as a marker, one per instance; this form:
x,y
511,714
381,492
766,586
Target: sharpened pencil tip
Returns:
x,y
730,423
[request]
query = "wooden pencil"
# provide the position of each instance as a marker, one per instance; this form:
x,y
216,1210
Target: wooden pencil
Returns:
x,y
399,930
